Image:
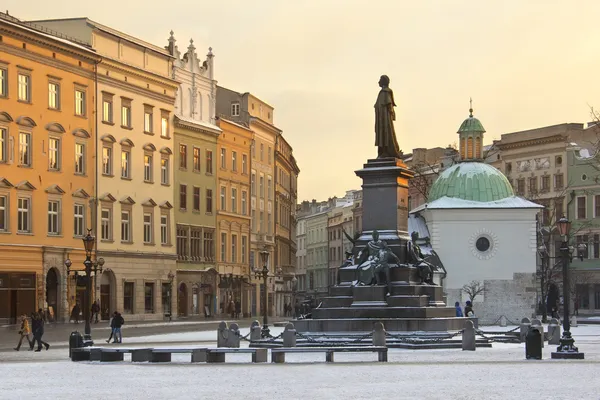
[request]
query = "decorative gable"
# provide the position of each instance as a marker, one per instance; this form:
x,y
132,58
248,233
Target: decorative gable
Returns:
x,y
24,185
149,203
166,150
55,127
126,200
81,194
107,197
149,147
4,183
5,117
82,133
166,205
126,142
26,121
54,189
108,139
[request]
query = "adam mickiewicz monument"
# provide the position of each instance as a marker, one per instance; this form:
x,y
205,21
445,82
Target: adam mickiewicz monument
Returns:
x,y
387,278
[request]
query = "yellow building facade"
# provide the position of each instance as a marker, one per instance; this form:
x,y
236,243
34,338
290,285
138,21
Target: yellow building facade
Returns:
x,y
233,217
47,184
135,227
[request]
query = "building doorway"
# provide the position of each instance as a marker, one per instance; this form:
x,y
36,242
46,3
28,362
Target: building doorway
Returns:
x,y
182,300
107,296
52,294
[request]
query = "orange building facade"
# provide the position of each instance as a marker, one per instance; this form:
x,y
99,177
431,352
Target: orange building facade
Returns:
x,y
47,168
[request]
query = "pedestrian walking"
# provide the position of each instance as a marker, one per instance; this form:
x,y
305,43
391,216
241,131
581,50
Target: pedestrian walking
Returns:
x,y
238,308
119,321
95,311
38,331
459,312
75,313
24,331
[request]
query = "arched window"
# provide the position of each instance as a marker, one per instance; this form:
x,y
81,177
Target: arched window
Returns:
x,y
463,146
191,102
478,147
470,148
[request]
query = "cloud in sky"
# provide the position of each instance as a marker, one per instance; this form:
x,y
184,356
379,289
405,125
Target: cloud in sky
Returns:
x,y
525,63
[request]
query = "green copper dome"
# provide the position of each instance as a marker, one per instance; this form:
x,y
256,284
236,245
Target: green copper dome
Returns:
x,y
471,181
471,125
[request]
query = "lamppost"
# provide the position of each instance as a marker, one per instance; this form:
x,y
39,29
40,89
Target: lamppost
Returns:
x,y
566,349
90,266
171,276
294,287
264,274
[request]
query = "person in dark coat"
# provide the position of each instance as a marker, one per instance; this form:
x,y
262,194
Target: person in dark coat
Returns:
x,y
238,309
469,309
118,323
75,313
38,331
95,311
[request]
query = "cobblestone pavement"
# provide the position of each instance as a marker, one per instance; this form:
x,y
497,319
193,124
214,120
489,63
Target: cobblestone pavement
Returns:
x,y
58,334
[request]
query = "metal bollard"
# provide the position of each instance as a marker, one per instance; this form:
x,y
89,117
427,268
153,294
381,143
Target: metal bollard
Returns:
x,y
255,331
525,324
537,324
379,338
289,336
468,336
222,334
233,339
553,332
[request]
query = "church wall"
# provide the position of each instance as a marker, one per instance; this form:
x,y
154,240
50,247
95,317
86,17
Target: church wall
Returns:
x,y
514,298
511,233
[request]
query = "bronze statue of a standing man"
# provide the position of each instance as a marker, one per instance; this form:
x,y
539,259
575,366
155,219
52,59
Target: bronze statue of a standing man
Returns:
x,y
385,135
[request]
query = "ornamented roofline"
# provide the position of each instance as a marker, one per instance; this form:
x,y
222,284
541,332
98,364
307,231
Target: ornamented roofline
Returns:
x,y
532,142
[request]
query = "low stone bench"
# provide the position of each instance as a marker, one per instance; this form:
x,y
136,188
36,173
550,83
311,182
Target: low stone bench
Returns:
x,y
164,355
81,354
218,355
278,354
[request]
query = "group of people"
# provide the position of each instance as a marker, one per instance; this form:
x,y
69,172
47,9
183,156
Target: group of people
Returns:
x,y
116,322
468,309
95,312
234,308
36,328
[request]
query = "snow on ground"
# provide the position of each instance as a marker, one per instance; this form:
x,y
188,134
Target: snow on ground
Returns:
x,y
500,372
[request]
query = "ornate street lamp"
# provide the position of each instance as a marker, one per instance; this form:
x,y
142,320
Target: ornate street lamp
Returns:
x,y
171,277
90,266
264,274
566,349
294,287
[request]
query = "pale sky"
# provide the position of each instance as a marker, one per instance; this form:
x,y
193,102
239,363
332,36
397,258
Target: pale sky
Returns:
x,y
525,63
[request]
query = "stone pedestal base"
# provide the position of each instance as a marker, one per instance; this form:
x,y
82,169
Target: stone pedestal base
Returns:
x,y
558,355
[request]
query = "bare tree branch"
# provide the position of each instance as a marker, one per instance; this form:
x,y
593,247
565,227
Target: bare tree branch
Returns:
x,y
473,289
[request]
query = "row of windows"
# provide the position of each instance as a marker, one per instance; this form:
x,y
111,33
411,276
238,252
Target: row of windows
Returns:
x,y
148,160
261,186
24,91
234,161
196,193
261,222
234,257
54,150
195,243
234,201
582,207
543,186
54,223
129,306
126,115
126,231
196,161
262,153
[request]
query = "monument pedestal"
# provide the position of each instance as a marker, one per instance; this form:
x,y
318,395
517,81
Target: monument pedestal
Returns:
x,y
410,304
385,203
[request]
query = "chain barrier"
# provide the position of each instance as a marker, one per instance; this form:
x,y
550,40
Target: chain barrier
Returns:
x,y
508,321
422,340
313,340
479,332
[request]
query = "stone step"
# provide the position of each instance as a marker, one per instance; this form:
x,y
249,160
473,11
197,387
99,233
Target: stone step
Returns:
x,y
383,312
452,324
335,291
434,292
408,301
337,301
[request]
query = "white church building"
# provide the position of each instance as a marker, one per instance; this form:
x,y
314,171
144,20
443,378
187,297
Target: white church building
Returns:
x,y
481,232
